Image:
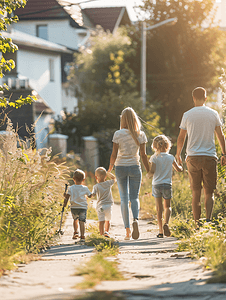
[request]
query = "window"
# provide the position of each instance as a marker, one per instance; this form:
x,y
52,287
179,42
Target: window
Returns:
x,y
42,31
51,70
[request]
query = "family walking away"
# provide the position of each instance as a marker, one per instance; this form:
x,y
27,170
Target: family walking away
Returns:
x,y
199,124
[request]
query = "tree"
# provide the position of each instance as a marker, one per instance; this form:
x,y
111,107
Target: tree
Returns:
x,y
181,57
6,45
105,85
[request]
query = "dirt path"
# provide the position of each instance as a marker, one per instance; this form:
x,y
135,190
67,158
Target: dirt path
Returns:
x,y
152,269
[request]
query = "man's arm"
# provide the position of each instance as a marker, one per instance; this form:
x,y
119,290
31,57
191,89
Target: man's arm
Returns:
x,y
180,144
221,140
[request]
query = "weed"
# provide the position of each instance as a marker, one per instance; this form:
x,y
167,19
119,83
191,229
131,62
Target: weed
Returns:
x,y
98,269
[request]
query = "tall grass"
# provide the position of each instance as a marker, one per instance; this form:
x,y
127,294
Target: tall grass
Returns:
x,y
31,187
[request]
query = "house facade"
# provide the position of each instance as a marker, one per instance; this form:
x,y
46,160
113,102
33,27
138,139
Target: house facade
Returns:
x,y
49,21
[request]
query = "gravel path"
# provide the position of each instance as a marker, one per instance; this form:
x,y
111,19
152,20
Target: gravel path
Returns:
x,y
152,269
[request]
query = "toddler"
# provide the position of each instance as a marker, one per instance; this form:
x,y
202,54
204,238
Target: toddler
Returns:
x,y
161,169
104,199
77,194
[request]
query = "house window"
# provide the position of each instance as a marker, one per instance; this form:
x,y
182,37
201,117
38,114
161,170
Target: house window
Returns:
x,y
42,31
51,70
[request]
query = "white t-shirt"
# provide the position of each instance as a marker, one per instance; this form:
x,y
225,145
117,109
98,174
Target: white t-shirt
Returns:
x,y
200,123
128,150
163,172
103,192
78,195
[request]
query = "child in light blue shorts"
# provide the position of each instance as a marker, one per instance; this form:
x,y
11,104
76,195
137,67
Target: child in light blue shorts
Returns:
x,y
161,164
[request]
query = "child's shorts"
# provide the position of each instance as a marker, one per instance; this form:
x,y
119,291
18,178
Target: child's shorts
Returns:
x,y
79,213
162,190
104,212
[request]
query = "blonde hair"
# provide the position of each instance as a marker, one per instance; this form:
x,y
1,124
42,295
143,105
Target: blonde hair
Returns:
x,y
161,143
101,172
79,176
130,120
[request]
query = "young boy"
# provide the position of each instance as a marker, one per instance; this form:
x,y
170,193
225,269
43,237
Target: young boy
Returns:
x,y
77,194
104,199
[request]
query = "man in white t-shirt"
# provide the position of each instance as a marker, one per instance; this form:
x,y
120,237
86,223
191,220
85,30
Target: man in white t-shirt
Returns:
x,y
199,124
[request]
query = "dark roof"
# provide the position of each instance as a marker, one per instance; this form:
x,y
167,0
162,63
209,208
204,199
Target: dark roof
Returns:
x,y
108,17
43,10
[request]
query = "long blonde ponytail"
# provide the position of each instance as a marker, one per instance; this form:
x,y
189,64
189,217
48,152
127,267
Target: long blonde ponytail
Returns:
x,y
130,120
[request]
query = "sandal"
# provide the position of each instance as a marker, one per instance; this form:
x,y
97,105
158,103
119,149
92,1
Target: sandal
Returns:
x,y
75,236
166,230
160,235
82,239
106,234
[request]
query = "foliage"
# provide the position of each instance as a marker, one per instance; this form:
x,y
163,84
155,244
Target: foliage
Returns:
x,y
31,184
107,246
180,57
105,86
6,45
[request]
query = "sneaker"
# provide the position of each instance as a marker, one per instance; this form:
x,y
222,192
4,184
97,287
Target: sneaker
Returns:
x,y
106,234
135,233
127,238
75,235
166,230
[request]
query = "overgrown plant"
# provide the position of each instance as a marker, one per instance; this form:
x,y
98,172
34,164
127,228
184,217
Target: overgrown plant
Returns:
x,y
31,184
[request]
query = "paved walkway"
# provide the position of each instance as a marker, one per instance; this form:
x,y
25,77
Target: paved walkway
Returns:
x,y
152,269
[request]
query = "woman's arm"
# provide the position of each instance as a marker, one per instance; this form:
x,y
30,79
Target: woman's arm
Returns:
x,y
144,157
113,157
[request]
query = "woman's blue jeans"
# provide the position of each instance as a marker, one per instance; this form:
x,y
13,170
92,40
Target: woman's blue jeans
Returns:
x,y
129,181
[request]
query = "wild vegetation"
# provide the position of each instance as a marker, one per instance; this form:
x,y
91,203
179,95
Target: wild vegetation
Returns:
x,y
31,186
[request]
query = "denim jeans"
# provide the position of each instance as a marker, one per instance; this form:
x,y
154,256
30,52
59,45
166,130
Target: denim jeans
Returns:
x,y
129,181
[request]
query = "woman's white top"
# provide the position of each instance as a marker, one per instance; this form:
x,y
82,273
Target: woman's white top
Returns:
x,y
128,150
163,172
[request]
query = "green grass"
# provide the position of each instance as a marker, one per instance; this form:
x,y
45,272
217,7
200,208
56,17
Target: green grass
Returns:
x,y
98,269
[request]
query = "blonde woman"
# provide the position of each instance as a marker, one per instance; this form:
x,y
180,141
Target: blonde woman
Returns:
x,y
128,142
161,164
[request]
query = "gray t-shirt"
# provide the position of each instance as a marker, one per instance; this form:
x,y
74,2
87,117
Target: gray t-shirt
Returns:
x,y
78,195
128,150
163,172
103,192
200,123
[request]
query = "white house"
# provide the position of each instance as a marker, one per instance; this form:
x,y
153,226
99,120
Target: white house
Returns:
x,y
38,70
50,21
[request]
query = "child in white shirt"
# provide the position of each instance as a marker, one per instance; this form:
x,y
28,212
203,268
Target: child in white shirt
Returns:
x,y
104,199
77,194
161,170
